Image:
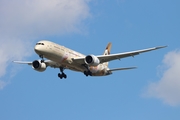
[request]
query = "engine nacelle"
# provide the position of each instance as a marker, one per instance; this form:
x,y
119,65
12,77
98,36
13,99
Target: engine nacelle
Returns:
x,y
91,60
38,65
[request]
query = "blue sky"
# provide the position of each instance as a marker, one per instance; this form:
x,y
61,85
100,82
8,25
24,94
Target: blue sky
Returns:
x,y
149,92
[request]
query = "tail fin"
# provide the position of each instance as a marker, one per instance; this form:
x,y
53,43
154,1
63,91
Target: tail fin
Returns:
x,y
108,49
107,52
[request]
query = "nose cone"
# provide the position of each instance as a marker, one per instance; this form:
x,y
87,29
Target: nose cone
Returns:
x,y
37,49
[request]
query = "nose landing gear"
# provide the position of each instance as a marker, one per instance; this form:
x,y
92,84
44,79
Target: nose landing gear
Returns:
x,y
62,74
42,58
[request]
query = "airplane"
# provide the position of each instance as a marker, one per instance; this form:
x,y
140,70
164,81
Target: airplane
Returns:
x,y
63,58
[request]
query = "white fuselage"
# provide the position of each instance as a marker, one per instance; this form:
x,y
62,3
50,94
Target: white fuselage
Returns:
x,y
63,56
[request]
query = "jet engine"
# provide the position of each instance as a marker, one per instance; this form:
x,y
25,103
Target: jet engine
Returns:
x,y
91,60
38,65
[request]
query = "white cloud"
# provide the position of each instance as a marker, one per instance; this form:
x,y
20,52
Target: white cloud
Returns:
x,y
41,17
24,20
168,87
3,84
11,49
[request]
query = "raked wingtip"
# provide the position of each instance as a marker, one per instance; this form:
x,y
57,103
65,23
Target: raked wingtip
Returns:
x,y
161,47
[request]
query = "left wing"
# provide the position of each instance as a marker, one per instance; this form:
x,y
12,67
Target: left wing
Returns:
x,y
47,62
23,62
107,58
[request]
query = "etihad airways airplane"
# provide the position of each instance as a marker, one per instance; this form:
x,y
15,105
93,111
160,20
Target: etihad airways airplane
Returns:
x,y
64,58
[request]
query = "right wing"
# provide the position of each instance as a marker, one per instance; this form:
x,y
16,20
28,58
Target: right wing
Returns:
x,y
107,58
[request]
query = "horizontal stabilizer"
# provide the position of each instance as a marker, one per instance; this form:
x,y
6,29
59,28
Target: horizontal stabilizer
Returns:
x,y
116,69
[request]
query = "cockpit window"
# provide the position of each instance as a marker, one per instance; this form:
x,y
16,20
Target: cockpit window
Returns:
x,y
39,43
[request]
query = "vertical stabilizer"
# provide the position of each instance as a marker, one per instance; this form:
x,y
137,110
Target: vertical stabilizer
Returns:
x,y
108,49
107,52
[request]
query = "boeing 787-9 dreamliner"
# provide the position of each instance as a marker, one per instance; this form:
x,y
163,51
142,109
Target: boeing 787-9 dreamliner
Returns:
x,y
64,58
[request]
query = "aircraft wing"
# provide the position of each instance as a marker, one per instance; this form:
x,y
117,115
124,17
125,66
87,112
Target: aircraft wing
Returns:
x,y
47,62
107,58
23,62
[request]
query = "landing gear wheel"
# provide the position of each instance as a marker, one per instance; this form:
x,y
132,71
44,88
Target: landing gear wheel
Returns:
x,y
85,73
62,74
42,61
59,75
88,73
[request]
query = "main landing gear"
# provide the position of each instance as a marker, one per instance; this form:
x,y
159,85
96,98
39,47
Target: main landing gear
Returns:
x,y
62,74
88,72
